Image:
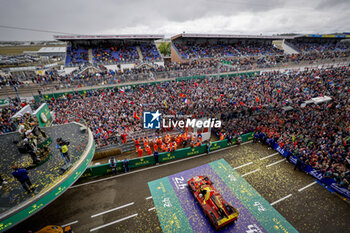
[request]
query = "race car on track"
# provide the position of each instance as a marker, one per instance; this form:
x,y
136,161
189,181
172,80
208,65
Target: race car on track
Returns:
x,y
219,211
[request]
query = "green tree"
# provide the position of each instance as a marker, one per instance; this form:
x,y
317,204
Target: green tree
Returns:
x,y
164,48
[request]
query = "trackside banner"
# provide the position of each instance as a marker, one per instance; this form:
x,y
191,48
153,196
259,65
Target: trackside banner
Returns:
x,y
313,172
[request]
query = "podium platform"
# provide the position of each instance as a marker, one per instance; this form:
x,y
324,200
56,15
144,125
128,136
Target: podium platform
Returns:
x,y
48,179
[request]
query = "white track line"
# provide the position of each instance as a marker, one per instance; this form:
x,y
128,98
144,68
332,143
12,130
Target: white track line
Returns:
x,y
309,185
150,197
266,157
111,223
283,198
152,209
117,208
68,224
271,164
243,165
251,172
155,166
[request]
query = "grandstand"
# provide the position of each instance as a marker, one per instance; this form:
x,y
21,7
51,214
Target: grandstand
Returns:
x,y
318,43
185,47
113,51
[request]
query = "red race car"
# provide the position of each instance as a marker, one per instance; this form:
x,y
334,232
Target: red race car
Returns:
x,y
219,211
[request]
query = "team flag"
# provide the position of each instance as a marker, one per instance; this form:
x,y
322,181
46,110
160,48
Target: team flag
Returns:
x,y
136,116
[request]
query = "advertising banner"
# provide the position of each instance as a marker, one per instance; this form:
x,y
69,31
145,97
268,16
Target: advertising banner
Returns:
x,y
330,183
44,116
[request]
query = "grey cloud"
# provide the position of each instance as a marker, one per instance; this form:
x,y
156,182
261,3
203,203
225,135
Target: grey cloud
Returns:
x,y
170,17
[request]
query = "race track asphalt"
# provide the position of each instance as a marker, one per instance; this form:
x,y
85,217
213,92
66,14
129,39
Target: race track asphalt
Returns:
x,y
313,209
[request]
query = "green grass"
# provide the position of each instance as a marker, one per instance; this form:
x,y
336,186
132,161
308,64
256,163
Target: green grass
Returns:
x,y
16,50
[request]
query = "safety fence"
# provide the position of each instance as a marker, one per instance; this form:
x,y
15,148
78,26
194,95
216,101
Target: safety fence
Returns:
x,y
104,169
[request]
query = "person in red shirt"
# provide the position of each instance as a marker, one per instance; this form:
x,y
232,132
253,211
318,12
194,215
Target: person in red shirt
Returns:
x,y
145,141
155,146
140,152
137,143
148,149
124,137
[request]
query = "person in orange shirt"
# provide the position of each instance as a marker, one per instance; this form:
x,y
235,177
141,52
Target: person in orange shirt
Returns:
x,y
222,136
160,142
137,143
145,142
175,146
184,136
155,146
148,149
167,138
198,143
140,152
178,139
163,147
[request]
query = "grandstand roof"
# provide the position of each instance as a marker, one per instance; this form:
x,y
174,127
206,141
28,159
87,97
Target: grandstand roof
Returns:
x,y
226,36
52,50
107,37
326,36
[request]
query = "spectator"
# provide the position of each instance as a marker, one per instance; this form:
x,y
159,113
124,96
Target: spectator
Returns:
x,y
62,146
126,164
156,155
21,175
208,146
113,165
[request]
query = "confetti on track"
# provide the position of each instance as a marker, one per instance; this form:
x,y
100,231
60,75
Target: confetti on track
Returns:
x,y
173,199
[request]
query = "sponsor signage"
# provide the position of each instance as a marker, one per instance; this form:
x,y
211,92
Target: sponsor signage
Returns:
x,y
330,183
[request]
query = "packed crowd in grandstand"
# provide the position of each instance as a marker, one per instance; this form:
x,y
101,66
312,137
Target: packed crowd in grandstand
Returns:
x,y
307,46
207,50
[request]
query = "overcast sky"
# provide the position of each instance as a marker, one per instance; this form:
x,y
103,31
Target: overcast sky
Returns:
x,y
246,17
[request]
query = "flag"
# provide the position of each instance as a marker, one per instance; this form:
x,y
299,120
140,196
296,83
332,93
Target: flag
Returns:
x,y
241,103
182,95
121,91
196,84
257,99
185,101
136,116
165,104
